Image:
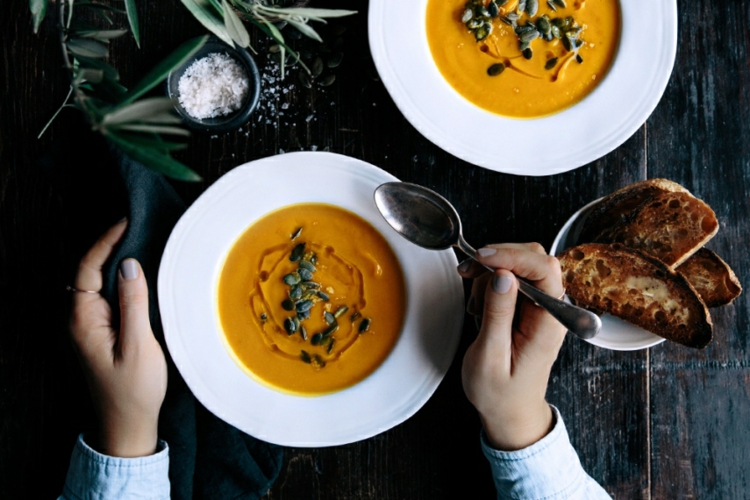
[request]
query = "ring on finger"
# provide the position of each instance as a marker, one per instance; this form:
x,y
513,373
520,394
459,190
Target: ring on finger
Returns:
x,y
74,289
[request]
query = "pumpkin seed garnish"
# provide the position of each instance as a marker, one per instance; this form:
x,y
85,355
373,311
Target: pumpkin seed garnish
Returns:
x,y
304,356
551,5
318,361
297,252
288,305
304,274
330,318
340,311
364,325
330,345
329,331
304,80
305,264
579,58
317,68
290,326
335,61
508,21
327,81
296,233
304,305
551,63
513,16
303,315
310,284
315,340
263,317
560,3
324,296
529,36
543,25
532,6
303,333
291,279
467,15
528,53
493,9
495,69
354,317
295,293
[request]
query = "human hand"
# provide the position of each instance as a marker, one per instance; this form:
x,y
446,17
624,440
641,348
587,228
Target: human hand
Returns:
x,y
125,369
506,370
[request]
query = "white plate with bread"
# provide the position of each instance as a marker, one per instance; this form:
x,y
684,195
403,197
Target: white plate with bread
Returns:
x,y
637,256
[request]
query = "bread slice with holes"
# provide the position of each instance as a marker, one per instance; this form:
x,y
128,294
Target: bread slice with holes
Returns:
x,y
711,277
638,288
657,216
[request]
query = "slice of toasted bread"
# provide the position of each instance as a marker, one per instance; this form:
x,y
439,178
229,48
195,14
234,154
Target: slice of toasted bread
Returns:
x,y
657,216
638,288
711,277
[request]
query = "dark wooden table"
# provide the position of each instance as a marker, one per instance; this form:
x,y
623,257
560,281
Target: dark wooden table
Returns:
x,y
667,422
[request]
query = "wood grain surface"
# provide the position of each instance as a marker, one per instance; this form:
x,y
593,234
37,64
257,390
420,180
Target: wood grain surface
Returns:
x,y
668,422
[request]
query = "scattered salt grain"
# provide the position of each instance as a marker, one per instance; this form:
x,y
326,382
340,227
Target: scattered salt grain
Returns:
x,y
212,86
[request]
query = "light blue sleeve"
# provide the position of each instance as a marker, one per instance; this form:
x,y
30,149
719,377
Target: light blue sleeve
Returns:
x,y
548,469
93,476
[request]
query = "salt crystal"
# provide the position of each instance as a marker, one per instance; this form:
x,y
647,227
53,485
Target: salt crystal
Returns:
x,y
213,86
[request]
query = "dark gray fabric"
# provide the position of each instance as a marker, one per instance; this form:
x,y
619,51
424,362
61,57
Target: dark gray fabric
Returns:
x,y
208,457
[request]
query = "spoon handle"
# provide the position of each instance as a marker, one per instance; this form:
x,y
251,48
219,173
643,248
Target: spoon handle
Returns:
x,y
578,321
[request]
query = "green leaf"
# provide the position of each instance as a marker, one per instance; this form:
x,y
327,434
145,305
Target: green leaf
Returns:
x,y
206,15
144,110
133,20
99,34
38,11
153,141
306,30
98,6
88,62
262,26
154,159
88,75
160,72
87,48
156,129
234,26
310,13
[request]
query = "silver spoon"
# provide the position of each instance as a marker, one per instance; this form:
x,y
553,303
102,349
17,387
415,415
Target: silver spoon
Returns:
x,y
427,219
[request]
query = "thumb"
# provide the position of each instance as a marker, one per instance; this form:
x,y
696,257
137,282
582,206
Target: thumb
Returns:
x,y
499,309
133,291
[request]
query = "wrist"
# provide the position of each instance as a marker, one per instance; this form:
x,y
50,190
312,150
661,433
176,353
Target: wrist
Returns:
x,y
520,430
128,440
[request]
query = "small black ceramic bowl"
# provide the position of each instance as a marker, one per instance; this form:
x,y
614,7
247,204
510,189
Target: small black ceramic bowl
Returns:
x,y
223,123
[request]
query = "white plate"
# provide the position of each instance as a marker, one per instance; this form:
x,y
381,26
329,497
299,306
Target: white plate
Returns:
x,y
615,334
602,121
188,279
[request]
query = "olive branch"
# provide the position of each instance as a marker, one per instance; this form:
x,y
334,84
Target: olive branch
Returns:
x,y
138,126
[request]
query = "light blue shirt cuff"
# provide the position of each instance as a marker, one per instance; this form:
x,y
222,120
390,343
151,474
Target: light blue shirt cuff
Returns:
x,y
549,469
93,476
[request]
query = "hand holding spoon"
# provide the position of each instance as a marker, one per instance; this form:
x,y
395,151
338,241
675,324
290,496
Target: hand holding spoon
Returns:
x,y
427,219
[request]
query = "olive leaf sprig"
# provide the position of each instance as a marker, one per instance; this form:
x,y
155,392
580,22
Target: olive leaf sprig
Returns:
x,y
136,126
224,18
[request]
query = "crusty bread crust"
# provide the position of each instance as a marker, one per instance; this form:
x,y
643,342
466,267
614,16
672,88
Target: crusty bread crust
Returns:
x,y
711,277
638,288
657,216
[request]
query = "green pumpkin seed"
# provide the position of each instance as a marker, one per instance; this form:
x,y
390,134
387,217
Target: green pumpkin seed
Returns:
x,y
292,279
523,46
496,69
532,7
330,318
579,58
521,6
560,3
310,284
263,317
296,234
354,317
493,9
304,79
556,32
304,305
317,68
526,28
551,5
304,356
330,346
297,252
313,259
329,331
482,12
328,81
340,311
295,293
543,25
303,315
508,21
467,15
324,296
573,32
551,63
304,274
483,32
318,361
335,60
289,326
513,16
474,24
303,333
529,36
296,323
528,53
288,305
567,44
315,340
364,325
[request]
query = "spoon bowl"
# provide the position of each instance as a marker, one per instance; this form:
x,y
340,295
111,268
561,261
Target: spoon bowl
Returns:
x,y
427,219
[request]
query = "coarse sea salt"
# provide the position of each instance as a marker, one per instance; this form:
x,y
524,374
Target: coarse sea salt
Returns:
x,y
212,86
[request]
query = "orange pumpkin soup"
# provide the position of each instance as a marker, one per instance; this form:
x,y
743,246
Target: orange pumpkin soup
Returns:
x,y
311,299
527,58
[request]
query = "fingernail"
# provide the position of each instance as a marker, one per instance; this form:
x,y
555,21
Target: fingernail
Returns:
x,y
487,251
122,220
471,305
478,322
501,284
464,266
129,269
